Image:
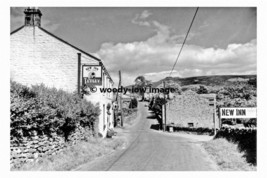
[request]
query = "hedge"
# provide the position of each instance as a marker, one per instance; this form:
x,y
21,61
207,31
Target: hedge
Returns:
x,y
41,110
245,138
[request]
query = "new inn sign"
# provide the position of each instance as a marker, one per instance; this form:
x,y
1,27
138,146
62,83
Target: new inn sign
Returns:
x,y
228,113
92,74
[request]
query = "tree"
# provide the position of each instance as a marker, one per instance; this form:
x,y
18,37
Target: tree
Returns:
x,y
253,82
142,83
202,90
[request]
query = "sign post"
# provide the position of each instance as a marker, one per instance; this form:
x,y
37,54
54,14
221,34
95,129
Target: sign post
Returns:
x,y
79,74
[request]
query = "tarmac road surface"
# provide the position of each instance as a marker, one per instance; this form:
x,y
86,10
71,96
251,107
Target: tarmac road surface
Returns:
x,y
151,150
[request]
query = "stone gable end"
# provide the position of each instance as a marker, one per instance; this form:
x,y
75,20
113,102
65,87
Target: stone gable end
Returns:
x,y
190,108
37,57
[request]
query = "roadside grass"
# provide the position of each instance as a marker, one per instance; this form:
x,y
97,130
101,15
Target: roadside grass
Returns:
x,y
227,155
130,116
73,156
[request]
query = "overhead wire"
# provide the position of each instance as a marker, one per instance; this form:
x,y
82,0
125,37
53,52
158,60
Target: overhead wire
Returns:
x,y
184,41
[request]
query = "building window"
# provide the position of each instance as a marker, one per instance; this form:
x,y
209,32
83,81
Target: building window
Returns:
x,y
190,124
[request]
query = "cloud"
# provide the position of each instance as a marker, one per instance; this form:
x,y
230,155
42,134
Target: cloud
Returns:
x,y
204,25
145,14
48,25
155,56
139,19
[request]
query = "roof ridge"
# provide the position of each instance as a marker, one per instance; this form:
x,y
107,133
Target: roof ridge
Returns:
x,y
14,31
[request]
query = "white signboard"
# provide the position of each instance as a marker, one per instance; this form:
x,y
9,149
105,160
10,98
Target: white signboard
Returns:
x,y
92,74
227,113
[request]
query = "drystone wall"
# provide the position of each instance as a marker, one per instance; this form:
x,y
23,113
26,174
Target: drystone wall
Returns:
x,y
33,148
191,110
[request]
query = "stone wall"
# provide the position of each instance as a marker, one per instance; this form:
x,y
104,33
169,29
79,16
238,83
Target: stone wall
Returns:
x,y
33,148
191,109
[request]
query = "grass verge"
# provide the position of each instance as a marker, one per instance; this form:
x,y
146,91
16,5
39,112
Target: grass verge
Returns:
x,y
129,116
227,155
76,155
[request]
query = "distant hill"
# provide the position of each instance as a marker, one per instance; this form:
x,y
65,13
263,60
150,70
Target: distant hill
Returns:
x,y
213,80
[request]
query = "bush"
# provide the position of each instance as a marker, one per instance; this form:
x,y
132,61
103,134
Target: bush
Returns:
x,y
133,103
202,90
43,110
253,82
236,96
157,104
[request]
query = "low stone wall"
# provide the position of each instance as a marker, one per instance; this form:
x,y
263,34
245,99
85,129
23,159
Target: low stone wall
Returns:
x,y
191,110
33,148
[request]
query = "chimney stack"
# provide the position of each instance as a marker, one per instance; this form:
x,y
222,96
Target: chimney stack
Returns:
x,y
32,16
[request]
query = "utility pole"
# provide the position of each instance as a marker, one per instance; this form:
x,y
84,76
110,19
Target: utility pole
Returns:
x,y
214,115
79,75
164,109
119,97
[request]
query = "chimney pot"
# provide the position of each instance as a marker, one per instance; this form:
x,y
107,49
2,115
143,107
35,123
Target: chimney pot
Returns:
x,y
32,16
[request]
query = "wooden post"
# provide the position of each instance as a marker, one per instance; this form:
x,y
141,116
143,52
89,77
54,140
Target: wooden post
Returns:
x,y
220,119
163,118
120,99
79,74
165,121
214,115
214,123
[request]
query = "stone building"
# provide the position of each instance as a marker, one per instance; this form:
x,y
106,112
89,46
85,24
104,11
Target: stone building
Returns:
x,y
38,56
192,110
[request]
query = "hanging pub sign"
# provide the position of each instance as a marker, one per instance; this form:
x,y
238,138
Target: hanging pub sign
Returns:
x,y
92,74
242,112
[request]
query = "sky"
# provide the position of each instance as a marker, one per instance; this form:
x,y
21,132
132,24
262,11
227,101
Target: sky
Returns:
x,y
146,40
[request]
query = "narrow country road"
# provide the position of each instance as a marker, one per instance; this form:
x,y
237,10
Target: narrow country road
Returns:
x,y
151,150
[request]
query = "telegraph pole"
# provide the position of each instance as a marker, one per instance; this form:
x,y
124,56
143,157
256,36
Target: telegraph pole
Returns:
x,y
79,75
120,99
164,109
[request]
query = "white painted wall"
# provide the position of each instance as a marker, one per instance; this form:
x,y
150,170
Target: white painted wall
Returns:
x,y
37,57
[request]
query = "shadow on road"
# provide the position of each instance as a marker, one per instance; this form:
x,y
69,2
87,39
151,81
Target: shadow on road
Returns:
x,y
152,117
155,127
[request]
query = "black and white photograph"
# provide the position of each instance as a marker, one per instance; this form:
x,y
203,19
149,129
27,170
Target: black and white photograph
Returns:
x,y
133,88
